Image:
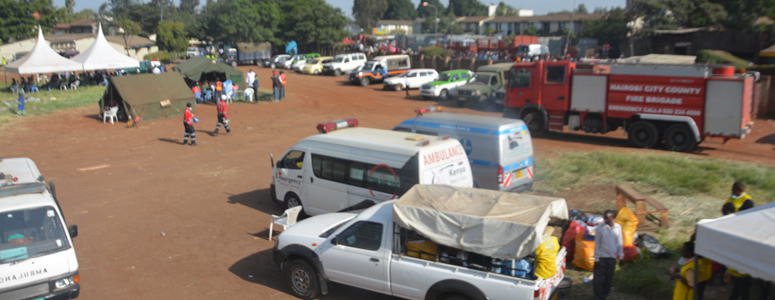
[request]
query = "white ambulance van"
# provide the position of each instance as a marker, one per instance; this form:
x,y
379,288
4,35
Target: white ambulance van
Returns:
x,y
37,258
500,150
345,168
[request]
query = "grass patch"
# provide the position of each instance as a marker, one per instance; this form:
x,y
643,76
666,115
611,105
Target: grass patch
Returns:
x,y
46,102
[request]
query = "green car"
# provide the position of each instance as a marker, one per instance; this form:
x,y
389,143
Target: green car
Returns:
x,y
300,60
447,83
489,79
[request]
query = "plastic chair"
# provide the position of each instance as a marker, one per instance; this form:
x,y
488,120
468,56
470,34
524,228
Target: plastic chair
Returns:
x,y
287,219
112,114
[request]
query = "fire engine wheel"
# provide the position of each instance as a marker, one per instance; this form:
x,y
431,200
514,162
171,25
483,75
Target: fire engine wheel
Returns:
x,y
365,81
643,134
337,72
680,138
535,123
302,279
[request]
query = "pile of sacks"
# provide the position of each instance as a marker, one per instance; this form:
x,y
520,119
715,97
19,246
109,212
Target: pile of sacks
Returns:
x,y
579,239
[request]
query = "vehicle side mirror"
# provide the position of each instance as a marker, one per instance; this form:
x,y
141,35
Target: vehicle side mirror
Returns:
x,y
334,241
73,229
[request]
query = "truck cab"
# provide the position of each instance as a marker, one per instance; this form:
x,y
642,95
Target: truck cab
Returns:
x,y
488,80
37,255
538,88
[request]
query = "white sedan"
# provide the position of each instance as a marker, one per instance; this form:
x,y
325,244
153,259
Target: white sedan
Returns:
x,y
417,77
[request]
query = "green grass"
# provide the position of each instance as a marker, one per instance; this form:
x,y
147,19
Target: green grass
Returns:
x,y
681,182
46,102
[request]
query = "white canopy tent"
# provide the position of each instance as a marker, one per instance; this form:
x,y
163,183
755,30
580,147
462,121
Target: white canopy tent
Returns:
x,y
743,241
42,59
102,56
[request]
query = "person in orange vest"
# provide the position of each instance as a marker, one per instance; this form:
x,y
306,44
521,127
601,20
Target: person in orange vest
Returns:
x,y
218,90
222,117
188,124
282,87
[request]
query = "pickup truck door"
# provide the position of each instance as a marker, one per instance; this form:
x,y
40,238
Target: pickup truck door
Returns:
x,y
359,256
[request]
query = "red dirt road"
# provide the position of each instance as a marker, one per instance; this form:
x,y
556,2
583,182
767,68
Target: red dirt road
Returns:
x,y
167,221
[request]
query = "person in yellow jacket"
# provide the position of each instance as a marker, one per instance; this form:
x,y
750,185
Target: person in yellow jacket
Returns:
x,y
546,255
684,286
739,198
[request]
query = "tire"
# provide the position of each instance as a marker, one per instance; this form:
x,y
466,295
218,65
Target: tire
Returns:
x,y
535,123
643,134
680,138
365,81
302,279
292,201
315,72
272,65
443,95
398,88
337,72
453,297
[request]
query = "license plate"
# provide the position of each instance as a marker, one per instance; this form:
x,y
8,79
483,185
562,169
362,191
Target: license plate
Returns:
x,y
518,174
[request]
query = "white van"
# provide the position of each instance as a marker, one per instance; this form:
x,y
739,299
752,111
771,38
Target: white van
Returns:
x,y
343,63
37,258
344,168
500,150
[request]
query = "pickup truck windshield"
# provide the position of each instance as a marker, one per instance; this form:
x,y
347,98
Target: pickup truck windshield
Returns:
x,y
445,76
369,66
483,79
29,233
339,59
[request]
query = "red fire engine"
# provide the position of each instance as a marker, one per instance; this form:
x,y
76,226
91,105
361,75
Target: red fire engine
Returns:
x,y
678,104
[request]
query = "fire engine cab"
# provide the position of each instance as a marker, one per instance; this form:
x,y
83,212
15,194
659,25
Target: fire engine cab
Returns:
x,y
678,104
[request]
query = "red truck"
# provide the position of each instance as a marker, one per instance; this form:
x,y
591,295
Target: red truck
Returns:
x,y
678,104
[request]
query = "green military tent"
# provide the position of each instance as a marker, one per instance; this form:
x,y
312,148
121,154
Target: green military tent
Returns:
x,y
203,69
150,96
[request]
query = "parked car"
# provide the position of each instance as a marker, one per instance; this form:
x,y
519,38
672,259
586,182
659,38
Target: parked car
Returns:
x,y
488,80
276,60
299,63
429,245
345,63
315,66
372,70
447,83
417,77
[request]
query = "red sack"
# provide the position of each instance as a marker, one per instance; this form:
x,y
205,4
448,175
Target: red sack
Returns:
x,y
569,239
630,253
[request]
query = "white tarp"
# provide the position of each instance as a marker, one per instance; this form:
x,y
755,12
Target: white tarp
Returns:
x,y
102,56
42,59
492,223
743,241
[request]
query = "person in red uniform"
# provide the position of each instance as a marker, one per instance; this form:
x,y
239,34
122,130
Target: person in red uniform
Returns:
x,y
188,123
222,117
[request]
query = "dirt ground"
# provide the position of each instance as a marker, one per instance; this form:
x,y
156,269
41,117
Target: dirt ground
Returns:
x,y
159,220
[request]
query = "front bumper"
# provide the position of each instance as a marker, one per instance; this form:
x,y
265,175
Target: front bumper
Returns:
x,y
430,92
278,257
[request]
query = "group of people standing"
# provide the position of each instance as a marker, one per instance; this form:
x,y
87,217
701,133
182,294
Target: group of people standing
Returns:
x,y
278,85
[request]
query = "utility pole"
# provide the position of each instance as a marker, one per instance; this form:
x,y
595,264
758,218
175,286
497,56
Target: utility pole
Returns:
x,y
436,14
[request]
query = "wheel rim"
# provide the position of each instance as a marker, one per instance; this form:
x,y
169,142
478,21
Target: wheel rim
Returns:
x,y
301,280
293,202
443,94
679,138
316,72
642,135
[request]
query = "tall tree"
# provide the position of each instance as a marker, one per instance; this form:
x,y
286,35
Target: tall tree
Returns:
x,y
504,9
120,7
743,13
400,10
312,23
610,29
104,10
229,21
20,19
70,6
367,12
127,28
672,14
425,11
189,6
467,8
582,9
172,35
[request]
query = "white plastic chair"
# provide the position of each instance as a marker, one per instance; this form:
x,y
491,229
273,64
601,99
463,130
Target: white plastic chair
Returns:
x,y
287,219
112,114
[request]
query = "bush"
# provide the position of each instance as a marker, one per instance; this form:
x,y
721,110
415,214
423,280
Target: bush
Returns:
x,y
164,56
721,57
436,51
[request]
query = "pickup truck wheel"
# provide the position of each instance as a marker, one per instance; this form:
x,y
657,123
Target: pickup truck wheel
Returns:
x,y
454,297
679,138
643,134
303,280
443,95
365,81
272,65
337,72
535,123
398,88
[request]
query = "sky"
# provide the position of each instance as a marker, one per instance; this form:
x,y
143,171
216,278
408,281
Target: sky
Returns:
x,y
539,7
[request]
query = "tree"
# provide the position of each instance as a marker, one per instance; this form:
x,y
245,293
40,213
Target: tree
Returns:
x,y
743,13
582,10
189,6
672,14
127,28
85,14
530,30
610,29
69,6
504,9
104,11
20,19
120,7
367,12
425,11
172,35
467,8
489,30
400,10
312,23
446,25
230,21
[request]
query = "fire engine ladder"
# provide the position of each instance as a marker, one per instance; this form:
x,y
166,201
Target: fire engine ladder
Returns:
x,y
556,122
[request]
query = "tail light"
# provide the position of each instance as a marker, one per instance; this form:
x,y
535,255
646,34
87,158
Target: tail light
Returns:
x,y
338,124
500,175
536,294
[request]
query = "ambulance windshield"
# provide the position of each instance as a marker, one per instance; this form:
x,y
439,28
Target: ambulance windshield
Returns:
x,y
29,233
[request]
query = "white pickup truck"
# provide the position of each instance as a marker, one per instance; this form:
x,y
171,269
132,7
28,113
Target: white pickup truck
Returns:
x,y
369,250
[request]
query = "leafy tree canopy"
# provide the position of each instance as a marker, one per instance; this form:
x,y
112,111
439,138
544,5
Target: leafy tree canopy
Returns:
x,y
425,11
400,10
467,8
312,22
231,21
19,18
172,35
367,12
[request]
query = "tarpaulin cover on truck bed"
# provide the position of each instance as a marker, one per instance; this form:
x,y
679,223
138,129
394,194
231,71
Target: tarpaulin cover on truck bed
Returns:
x,y
497,224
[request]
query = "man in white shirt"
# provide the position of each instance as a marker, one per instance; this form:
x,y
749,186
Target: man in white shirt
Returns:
x,y
608,248
251,76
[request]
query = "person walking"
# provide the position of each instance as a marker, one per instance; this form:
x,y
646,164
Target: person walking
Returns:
x,y
188,123
406,86
608,248
222,117
282,86
20,108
